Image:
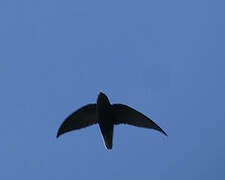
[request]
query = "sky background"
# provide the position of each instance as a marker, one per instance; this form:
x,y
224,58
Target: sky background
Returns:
x,y
163,58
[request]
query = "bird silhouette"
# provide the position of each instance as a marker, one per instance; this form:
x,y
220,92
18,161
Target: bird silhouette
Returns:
x,y
106,115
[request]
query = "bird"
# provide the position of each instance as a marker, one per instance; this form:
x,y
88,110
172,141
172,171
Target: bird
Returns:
x,y
106,115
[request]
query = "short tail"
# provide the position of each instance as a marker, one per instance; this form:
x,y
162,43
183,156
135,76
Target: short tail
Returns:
x,y
108,139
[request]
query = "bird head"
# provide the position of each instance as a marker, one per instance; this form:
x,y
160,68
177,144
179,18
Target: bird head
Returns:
x,y
103,98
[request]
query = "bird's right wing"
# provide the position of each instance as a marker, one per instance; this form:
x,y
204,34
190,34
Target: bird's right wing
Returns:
x,y
83,117
126,115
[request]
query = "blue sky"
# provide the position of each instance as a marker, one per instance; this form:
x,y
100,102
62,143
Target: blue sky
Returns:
x,y
164,58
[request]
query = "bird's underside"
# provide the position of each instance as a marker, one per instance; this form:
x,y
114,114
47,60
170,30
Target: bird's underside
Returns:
x,y
115,114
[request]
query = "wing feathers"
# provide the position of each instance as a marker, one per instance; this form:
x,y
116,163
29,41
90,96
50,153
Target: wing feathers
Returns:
x,y
83,117
126,115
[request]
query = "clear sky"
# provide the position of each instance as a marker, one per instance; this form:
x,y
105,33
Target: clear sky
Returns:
x,y
163,58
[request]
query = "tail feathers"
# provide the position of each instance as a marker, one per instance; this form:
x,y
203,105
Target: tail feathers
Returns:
x,y
108,140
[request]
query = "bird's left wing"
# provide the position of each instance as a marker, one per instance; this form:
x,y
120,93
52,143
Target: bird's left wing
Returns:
x,y
126,115
83,117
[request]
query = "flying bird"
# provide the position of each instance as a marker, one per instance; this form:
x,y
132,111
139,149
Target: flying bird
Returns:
x,y
106,115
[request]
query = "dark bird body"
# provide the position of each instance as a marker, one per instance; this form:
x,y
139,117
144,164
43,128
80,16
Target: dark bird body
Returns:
x,y
106,115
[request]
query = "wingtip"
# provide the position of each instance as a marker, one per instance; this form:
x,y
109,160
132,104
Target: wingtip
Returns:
x,y
164,133
161,130
58,134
